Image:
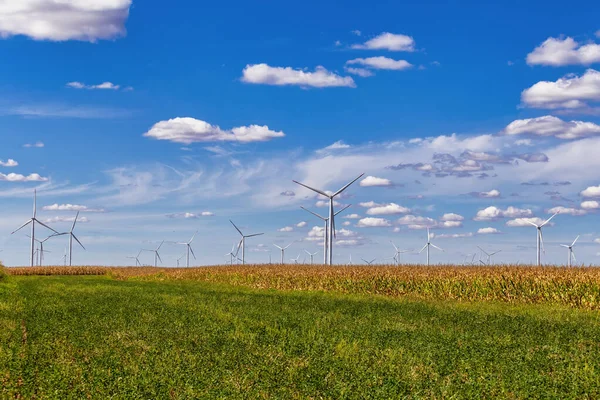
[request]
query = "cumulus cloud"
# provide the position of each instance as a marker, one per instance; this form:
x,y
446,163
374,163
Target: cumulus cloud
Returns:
x,y
190,130
101,86
282,76
558,52
371,181
188,215
549,125
568,92
285,229
493,213
453,235
452,217
325,203
352,216
66,219
12,177
373,222
387,209
488,231
9,163
64,20
369,204
362,72
590,205
381,63
486,195
339,145
301,224
70,207
592,191
417,222
34,145
520,222
566,210
388,41
450,224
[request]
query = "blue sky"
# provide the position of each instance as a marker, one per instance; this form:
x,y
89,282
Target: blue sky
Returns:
x,y
468,118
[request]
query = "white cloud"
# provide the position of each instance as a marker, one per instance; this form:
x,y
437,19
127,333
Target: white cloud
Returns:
x,y
301,224
491,194
370,181
101,86
362,72
452,217
347,223
36,144
388,209
492,213
188,215
285,229
566,210
339,145
520,222
381,63
352,216
66,219
524,142
9,163
488,231
592,191
549,125
369,204
325,203
453,235
559,52
12,177
373,222
568,92
63,20
356,32
190,130
280,76
590,205
597,241
416,222
451,224
316,233
388,41
70,207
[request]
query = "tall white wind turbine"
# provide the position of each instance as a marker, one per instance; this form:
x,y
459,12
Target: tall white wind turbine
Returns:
x,y
326,230
571,252
188,249
243,242
282,249
156,255
331,222
428,245
33,221
71,237
540,238
312,255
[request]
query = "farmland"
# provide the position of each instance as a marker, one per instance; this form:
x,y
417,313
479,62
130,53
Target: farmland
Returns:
x,y
300,332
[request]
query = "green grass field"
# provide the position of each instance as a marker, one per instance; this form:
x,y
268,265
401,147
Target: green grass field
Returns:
x,y
96,337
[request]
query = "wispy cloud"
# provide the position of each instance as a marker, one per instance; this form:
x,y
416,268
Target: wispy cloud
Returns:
x,y
285,76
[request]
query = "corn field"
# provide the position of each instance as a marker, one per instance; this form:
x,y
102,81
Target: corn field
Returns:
x,y
573,287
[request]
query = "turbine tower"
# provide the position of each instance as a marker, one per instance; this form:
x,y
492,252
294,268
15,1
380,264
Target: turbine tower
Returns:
x,y
397,253
156,255
179,259
282,250
428,245
331,222
243,242
71,237
540,238
326,230
311,255
40,251
571,252
188,249
32,221
231,255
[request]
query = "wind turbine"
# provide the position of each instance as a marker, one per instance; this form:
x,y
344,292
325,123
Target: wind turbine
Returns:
x,y
489,255
156,255
40,251
65,258
243,242
326,230
32,221
397,253
71,237
136,258
188,249
311,255
540,237
231,255
571,253
295,260
179,259
282,250
369,262
428,245
331,221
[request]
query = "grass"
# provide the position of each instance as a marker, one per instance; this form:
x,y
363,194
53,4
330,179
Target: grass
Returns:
x,y
100,337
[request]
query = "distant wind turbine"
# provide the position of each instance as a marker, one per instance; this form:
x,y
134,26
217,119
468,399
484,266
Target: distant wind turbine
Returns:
x,y
311,255
137,259
540,238
40,251
295,260
33,221
428,245
156,255
397,253
179,259
231,255
282,249
489,255
188,249
571,252
325,230
243,242
369,262
71,237
331,222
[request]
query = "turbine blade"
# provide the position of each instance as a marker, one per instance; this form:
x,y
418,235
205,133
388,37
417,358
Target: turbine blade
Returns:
x,y
548,220
161,243
345,187
238,247
313,189
564,245
531,223
345,208
75,237
22,226
43,224
316,215
34,202
158,255
435,247
573,254
424,247
280,248
287,246
542,240
255,234
394,245
428,236
236,228
75,221
574,241
192,251
193,236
